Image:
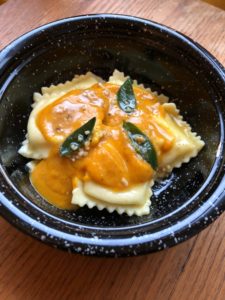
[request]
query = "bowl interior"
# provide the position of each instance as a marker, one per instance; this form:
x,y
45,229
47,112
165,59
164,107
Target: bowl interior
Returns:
x,y
146,53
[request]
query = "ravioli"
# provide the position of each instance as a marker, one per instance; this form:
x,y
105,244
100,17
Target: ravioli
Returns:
x,y
94,195
108,173
35,146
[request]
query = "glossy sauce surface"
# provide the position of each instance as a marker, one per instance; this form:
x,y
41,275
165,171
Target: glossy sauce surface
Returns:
x,y
110,160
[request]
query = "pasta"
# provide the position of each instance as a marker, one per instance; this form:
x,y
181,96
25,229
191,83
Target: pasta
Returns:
x,y
115,168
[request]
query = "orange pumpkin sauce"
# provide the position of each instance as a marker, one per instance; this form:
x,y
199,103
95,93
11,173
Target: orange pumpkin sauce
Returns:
x,y
110,161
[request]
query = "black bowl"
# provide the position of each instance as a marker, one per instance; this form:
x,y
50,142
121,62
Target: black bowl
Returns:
x,y
167,61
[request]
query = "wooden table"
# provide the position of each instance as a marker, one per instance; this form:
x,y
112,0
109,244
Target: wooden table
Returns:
x,y
192,270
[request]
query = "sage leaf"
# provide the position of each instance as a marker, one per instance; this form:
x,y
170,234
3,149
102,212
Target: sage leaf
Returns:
x,y
126,98
77,139
141,144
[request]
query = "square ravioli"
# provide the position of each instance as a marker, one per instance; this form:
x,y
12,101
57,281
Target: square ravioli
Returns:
x,y
137,136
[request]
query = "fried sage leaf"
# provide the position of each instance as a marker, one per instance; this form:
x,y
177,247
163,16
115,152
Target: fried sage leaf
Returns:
x,y
77,139
126,98
141,144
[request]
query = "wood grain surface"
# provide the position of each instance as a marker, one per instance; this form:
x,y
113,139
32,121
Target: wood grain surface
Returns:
x,y
192,270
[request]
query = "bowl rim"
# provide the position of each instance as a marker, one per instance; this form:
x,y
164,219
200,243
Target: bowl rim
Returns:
x,y
136,244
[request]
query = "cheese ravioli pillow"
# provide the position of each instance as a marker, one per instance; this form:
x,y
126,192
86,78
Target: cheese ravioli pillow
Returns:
x,y
102,144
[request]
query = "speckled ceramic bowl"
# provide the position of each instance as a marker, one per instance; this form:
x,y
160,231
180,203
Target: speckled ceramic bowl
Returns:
x,y
167,61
